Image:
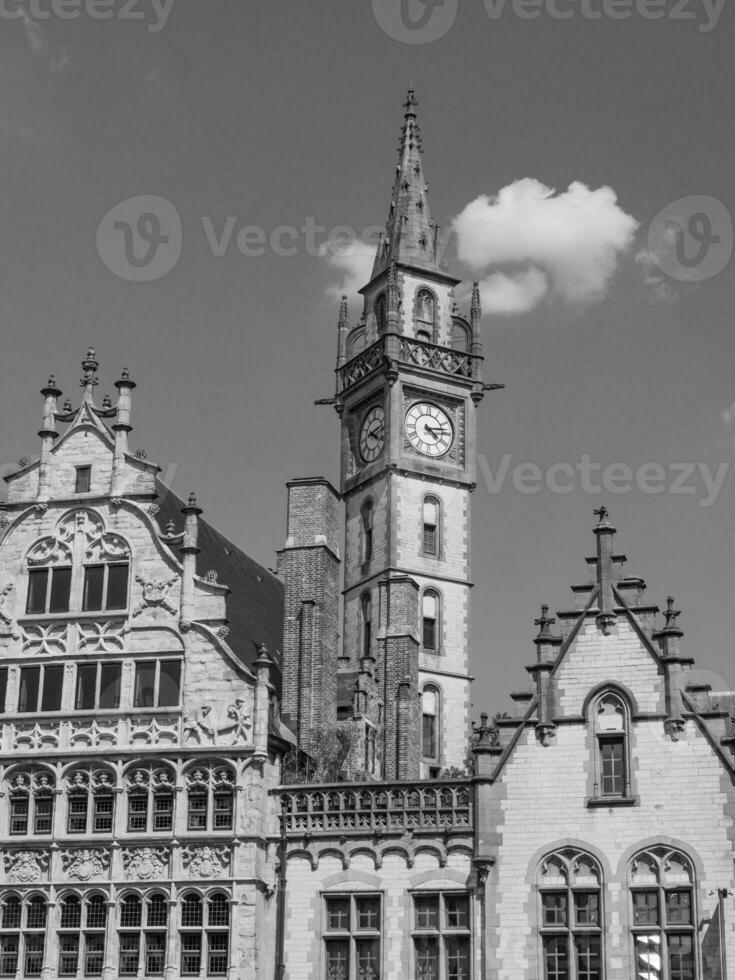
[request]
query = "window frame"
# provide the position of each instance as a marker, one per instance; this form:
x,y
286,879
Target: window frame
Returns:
x,y
431,623
428,528
601,739
23,932
353,935
31,792
203,783
50,573
435,758
570,932
422,325
82,476
366,624
203,933
41,690
441,931
100,667
158,662
367,520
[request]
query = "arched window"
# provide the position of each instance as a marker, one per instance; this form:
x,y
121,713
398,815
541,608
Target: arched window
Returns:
x,y
663,915
150,793
82,936
23,936
90,801
211,793
200,936
430,620
366,513
381,319
143,934
425,316
366,614
570,914
81,564
31,797
430,711
609,718
355,343
460,337
431,529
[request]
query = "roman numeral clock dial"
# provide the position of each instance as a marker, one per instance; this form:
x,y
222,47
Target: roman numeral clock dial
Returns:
x,y
429,429
372,434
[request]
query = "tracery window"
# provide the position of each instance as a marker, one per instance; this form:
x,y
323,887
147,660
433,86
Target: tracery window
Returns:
x,y
205,935
142,935
381,319
22,936
663,915
352,936
609,716
90,801
211,796
570,914
425,316
441,936
82,930
31,800
150,794
80,568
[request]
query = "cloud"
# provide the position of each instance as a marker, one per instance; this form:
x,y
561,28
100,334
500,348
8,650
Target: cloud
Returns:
x,y
651,260
353,259
728,414
567,245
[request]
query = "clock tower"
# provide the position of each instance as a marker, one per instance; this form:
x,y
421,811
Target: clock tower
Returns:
x,y
409,380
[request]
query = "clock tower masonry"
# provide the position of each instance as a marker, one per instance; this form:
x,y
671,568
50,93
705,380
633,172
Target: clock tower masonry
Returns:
x,y
409,381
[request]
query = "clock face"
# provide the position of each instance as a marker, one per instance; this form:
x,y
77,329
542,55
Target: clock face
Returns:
x,y
429,429
372,434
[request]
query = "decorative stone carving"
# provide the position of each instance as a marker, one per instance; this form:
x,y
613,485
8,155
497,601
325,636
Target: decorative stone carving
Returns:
x,y
202,726
8,626
24,867
155,731
155,594
223,632
36,736
52,639
102,637
146,863
206,862
153,509
86,863
94,734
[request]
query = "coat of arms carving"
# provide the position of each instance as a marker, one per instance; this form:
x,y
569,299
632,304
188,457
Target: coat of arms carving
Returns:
x,y
24,867
146,863
85,864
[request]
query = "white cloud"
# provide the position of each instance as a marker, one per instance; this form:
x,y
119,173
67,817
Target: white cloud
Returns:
x,y
568,245
513,293
728,414
651,261
353,260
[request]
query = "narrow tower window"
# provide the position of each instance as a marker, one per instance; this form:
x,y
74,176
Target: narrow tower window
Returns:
x,y
425,316
431,526
430,700
430,621
83,482
381,318
612,773
366,605
367,513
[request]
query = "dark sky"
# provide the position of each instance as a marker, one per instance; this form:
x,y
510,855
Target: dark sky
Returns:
x,y
282,113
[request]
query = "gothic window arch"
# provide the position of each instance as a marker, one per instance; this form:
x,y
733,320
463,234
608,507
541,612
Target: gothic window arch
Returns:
x,y
30,794
425,320
570,889
367,517
609,716
90,800
381,314
210,789
355,342
431,609
204,930
663,918
461,336
82,934
431,534
22,935
81,567
150,798
431,709
142,929
366,624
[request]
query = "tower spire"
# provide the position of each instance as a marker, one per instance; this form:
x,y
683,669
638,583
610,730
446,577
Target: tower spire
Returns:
x,y
410,234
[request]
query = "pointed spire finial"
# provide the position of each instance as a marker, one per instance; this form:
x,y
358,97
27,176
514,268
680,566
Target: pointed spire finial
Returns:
x,y
671,614
192,499
89,381
602,513
344,312
476,305
545,621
